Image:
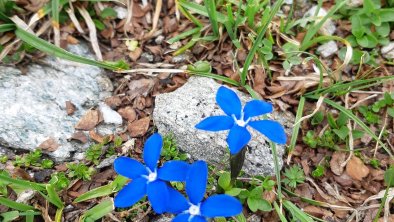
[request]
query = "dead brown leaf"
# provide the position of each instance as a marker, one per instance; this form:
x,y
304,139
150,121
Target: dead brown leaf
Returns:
x,y
317,211
128,113
89,120
97,137
335,164
139,127
140,87
70,108
49,145
79,136
113,101
356,169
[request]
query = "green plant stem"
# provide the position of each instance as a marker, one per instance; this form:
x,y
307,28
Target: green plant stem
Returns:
x,y
236,163
277,171
257,43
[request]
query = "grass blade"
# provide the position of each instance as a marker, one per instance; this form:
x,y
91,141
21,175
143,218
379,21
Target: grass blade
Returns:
x,y
356,120
98,211
258,41
201,10
22,183
53,50
15,205
297,212
106,190
6,27
212,14
315,28
296,128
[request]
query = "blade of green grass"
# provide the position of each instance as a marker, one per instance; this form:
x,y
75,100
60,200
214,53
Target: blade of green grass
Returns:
x,y
201,10
210,6
15,205
22,183
356,120
53,50
296,212
6,27
350,86
279,212
258,41
105,190
184,35
315,28
296,127
98,211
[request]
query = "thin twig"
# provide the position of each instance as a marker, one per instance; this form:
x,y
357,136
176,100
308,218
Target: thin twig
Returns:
x,y
92,32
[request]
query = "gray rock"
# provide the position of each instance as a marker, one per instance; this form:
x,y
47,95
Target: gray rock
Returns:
x,y
388,51
33,105
328,28
106,162
254,218
179,111
328,49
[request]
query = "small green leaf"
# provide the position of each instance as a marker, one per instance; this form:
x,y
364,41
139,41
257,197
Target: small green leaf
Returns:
x,y
342,132
331,121
255,204
317,118
389,176
358,29
384,29
200,66
367,41
390,111
99,25
357,134
225,181
234,191
108,13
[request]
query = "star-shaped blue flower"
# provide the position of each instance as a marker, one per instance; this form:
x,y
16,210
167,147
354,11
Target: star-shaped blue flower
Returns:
x,y
237,119
195,209
149,180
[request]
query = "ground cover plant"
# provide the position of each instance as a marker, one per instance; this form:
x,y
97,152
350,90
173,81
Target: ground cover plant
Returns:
x,y
338,160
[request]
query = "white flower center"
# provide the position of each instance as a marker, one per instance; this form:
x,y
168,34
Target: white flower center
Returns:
x,y
241,122
194,210
152,176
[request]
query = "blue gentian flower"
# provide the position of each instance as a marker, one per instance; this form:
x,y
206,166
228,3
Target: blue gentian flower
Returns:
x,y
237,119
149,180
195,209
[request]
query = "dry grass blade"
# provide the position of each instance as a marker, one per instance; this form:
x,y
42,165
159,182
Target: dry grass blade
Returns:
x,y
20,23
129,15
318,105
92,32
156,16
74,20
349,126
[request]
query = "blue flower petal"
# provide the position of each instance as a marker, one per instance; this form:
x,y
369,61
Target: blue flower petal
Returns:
x,y
237,138
221,206
131,193
181,218
174,170
129,168
196,181
216,123
158,195
228,100
256,108
152,151
198,219
271,129
178,202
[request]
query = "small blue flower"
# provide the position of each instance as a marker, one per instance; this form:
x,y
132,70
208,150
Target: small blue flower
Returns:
x,y
237,119
149,180
195,209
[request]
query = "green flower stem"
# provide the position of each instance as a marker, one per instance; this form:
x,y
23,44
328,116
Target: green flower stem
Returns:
x,y
277,170
236,163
